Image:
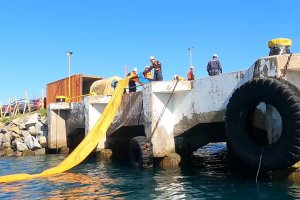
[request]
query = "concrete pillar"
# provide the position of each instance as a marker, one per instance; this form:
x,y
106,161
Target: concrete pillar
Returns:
x,y
94,107
158,112
57,133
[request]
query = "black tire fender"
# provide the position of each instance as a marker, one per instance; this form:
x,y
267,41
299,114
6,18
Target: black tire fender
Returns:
x,y
140,152
285,98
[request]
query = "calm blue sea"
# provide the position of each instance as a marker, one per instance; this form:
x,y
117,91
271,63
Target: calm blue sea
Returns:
x,y
209,176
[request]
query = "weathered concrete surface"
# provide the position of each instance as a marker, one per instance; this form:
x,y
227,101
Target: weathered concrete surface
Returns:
x,y
64,118
57,133
168,109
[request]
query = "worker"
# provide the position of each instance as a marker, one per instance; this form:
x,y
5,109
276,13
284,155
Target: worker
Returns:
x,y
214,66
190,74
156,65
178,78
147,73
133,80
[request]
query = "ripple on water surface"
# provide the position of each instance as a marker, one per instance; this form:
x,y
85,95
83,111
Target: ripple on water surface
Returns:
x,y
209,176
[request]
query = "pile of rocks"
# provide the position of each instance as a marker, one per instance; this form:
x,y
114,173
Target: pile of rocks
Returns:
x,y
24,136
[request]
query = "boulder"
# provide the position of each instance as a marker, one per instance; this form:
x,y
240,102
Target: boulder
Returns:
x,y
7,138
64,150
25,133
41,151
42,140
32,143
19,146
15,129
38,126
32,120
28,153
22,127
9,152
18,153
14,135
32,131
6,145
13,143
2,152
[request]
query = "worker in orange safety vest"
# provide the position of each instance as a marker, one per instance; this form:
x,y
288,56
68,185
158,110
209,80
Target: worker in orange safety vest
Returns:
x,y
190,74
133,80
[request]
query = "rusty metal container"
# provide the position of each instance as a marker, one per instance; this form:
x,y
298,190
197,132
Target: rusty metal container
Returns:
x,y
80,85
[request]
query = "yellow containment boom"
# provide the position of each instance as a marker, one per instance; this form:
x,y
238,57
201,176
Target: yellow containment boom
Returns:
x,y
87,145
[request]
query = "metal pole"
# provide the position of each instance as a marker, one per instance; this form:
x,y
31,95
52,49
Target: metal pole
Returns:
x,y
69,53
191,56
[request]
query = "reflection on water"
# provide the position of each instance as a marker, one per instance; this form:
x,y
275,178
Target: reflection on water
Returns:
x,y
209,176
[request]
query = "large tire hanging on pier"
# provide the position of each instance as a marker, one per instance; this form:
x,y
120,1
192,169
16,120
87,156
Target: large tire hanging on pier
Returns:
x,y
242,141
140,152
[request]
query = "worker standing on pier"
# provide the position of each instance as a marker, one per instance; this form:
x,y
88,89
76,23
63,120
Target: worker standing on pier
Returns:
x,y
156,65
214,66
133,80
190,74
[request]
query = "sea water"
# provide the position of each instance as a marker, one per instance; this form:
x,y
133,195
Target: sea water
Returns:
x,y
210,175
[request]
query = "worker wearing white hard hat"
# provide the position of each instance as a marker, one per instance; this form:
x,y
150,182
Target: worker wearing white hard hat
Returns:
x,y
147,73
190,74
156,65
214,66
132,82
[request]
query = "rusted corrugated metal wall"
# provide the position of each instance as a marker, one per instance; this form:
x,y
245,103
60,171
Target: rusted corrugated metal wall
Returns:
x,y
60,88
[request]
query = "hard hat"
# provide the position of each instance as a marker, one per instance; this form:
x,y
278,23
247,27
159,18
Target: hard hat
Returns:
x,y
147,67
192,67
151,57
215,55
175,76
134,69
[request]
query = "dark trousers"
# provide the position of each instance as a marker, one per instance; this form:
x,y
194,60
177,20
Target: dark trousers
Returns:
x,y
158,75
132,86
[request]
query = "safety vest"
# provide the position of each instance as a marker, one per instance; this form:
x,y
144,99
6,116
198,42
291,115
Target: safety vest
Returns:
x,y
134,79
148,75
190,75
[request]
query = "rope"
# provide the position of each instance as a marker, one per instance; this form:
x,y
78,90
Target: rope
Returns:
x,y
262,150
162,112
286,65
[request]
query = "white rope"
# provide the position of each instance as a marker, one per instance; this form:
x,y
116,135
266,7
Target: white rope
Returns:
x,y
262,150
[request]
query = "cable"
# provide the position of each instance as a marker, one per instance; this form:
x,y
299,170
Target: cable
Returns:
x,y
163,110
262,150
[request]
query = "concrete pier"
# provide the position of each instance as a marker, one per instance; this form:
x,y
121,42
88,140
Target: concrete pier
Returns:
x,y
173,116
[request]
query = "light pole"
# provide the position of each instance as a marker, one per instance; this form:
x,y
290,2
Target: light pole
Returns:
x,y
190,50
69,53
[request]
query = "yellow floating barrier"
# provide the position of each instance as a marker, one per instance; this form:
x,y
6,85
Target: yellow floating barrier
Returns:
x,y
87,145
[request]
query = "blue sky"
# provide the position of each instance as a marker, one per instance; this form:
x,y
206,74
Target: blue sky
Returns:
x,y
106,35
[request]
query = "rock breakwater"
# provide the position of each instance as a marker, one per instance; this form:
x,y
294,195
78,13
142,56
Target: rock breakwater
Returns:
x,y
24,136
